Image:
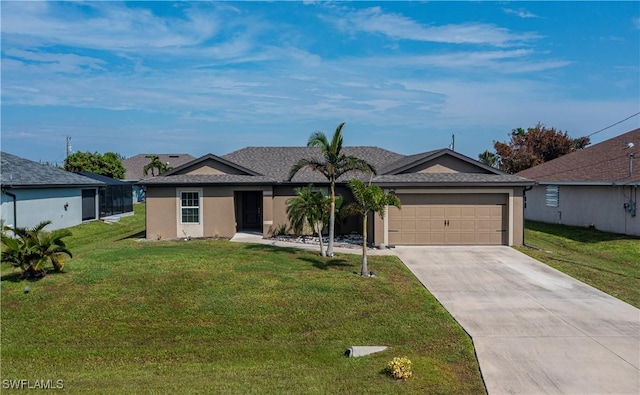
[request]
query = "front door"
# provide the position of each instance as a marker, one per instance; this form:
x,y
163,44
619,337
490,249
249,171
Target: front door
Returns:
x,y
252,210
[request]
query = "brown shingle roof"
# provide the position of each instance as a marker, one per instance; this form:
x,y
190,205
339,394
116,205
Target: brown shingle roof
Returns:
x,y
135,164
605,162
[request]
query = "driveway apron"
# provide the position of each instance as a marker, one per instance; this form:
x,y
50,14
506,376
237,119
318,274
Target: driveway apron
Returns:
x,y
535,329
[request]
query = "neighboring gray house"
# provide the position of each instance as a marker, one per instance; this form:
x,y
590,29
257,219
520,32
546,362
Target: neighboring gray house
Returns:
x,y
33,192
136,164
594,187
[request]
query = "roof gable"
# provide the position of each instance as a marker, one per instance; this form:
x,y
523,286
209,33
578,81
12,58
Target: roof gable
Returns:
x,y
21,172
439,161
607,161
211,165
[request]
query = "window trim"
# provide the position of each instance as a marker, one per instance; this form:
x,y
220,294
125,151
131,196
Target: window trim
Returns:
x,y
198,207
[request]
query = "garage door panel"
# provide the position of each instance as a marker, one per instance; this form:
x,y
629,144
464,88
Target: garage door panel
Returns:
x,y
449,219
423,225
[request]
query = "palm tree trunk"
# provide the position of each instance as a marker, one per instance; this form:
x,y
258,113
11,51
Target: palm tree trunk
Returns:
x,y
319,230
365,269
332,218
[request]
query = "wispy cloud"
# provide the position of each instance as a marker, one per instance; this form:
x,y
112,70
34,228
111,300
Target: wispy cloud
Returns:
x,y
105,25
522,13
399,27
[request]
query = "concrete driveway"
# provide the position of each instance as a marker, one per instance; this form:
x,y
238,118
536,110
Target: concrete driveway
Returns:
x,y
535,329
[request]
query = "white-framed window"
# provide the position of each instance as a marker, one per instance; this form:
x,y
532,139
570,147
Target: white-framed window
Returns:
x,y
552,198
190,207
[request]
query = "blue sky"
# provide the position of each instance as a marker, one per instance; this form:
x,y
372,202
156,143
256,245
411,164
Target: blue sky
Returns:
x,y
199,77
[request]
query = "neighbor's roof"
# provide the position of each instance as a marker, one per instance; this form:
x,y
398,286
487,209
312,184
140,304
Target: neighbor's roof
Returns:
x,y
20,172
605,162
135,164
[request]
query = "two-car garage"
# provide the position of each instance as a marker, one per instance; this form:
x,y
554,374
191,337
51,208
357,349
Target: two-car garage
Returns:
x,y
451,217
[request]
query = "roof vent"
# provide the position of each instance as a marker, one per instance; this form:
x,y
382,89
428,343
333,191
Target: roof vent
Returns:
x,y
629,145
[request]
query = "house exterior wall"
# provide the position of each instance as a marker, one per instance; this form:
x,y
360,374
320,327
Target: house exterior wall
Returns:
x,y
42,204
162,206
219,211
599,206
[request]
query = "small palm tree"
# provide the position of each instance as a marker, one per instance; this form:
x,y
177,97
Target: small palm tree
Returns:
x,y
334,164
369,198
488,158
308,207
155,164
33,248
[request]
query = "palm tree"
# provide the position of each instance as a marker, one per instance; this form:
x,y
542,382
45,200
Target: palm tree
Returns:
x,y
308,207
157,164
369,198
488,158
334,164
33,248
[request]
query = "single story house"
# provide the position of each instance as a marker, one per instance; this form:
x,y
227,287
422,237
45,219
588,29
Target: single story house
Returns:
x,y
447,198
134,167
33,192
593,187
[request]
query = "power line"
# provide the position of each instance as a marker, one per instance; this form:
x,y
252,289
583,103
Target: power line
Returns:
x,y
610,126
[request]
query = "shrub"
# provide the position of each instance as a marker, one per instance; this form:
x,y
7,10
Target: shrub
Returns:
x,y
399,368
31,249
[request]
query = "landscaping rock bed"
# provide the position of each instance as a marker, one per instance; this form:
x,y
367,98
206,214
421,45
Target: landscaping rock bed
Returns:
x,y
344,241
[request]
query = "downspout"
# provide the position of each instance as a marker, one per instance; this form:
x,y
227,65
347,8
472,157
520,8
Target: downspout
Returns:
x,y
524,198
15,209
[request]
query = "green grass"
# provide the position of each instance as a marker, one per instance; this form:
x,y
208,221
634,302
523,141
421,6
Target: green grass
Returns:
x,y
607,261
208,316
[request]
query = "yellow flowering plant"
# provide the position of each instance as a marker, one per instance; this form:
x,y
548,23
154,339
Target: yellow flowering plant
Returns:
x,y
400,368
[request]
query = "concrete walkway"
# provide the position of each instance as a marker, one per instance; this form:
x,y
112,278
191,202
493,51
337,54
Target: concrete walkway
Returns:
x,y
535,329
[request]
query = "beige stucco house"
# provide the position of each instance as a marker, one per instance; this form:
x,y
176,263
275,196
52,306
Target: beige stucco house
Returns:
x,y
594,187
447,198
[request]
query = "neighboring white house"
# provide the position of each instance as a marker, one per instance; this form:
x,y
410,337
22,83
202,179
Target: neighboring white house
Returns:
x,y
33,192
594,187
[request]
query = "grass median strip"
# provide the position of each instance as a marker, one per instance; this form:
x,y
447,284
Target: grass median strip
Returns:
x,y
219,317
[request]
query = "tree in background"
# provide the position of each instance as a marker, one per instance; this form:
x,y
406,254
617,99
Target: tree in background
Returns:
x,y
155,164
108,164
528,148
489,158
333,165
369,199
308,207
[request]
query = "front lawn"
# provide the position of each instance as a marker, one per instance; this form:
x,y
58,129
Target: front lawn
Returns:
x,y
607,261
207,316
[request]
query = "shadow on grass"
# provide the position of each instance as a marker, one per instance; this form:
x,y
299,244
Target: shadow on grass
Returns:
x,y
577,233
16,277
137,235
326,263
271,248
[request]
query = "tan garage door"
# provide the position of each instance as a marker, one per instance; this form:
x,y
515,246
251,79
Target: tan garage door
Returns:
x,y
449,219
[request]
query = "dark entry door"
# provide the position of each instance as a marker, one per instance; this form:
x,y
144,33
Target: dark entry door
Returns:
x,y
252,210
88,204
